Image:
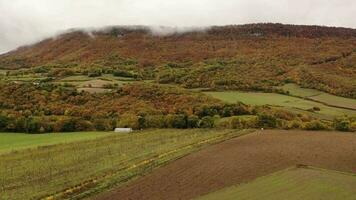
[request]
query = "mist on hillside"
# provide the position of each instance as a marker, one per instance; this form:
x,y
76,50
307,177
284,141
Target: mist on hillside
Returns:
x,y
28,21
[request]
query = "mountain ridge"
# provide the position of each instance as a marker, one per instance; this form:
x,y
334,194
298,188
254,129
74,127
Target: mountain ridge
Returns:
x,y
248,57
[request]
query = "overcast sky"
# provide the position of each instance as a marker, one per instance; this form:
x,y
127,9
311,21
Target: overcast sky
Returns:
x,y
27,21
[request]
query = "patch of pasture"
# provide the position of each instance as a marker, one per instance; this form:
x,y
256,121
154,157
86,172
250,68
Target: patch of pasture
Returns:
x,y
94,84
295,183
76,78
18,141
335,100
97,83
273,99
116,78
296,90
25,78
94,90
320,96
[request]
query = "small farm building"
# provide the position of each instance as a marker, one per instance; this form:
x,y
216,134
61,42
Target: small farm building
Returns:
x,y
123,130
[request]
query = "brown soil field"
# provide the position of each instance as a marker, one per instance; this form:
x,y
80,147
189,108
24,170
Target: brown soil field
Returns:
x,y
241,160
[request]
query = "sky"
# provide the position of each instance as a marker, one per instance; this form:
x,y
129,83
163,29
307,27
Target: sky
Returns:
x,y
24,22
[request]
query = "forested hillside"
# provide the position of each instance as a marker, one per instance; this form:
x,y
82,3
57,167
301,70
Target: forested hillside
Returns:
x,y
246,57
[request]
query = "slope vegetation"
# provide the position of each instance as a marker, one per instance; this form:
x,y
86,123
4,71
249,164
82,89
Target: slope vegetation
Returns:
x,y
255,56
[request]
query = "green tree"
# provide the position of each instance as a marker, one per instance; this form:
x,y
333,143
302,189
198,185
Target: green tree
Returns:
x,y
192,121
206,122
3,122
129,121
267,120
342,124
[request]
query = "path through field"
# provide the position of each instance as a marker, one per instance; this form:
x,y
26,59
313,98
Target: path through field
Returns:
x,y
241,160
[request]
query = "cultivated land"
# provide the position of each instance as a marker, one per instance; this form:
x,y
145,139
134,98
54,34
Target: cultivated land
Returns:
x,y
17,141
289,102
296,183
75,170
241,160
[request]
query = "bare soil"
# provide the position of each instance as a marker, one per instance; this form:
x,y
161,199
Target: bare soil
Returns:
x,y
241,160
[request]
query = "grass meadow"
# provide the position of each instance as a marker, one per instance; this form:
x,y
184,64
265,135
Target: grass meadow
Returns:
x,y
74,170
17,141
94,84
295,183
323,97
273,99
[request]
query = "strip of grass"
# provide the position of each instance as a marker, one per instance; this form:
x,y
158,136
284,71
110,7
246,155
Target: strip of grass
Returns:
x,y
258,98
335,100
317,95
296,90
296,183
82,168
17,141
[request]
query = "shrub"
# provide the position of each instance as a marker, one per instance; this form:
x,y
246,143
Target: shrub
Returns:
x,y
83,125
315,125
342,124
33,126
316,108
353,126
192,121
3,122
94,74
206,122
236,123
176,121
103,125
60,72
109,86
294,124
180,121
42,69
267,120
64,125
154,121
129,121
121,73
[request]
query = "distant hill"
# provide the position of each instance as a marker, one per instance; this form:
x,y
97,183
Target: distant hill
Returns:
x,y
245,57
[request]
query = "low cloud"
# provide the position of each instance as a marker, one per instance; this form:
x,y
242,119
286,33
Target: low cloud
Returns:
x,y
27,21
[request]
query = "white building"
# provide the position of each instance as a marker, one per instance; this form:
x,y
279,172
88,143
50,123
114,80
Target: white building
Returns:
x,y
123,130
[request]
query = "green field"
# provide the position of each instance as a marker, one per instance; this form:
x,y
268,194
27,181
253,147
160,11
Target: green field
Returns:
x,y
335,100
75,169
293,184
17,141
323,97
104,77
25,78
296,90
273,99
94,84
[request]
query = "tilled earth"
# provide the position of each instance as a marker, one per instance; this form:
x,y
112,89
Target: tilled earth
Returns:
x,y
241,160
